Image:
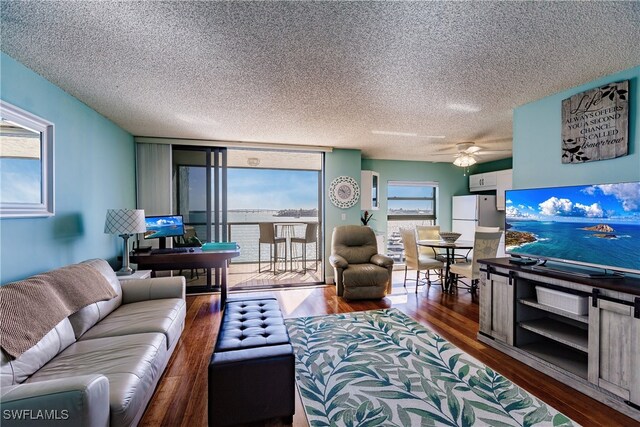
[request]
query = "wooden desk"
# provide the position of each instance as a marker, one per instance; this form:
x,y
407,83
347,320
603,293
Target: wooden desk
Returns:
x,y
217,260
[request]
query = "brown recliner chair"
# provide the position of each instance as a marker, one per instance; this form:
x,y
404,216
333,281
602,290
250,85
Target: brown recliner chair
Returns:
x,y
360,272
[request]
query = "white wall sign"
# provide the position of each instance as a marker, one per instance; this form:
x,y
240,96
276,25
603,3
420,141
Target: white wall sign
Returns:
x,y
595,124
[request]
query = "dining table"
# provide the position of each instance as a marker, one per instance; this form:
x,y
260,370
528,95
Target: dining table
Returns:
x,y
450,253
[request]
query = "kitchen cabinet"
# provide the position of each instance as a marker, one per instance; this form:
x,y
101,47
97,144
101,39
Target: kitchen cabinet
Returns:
x,y
614,347
499,181
483,181
504,181
370,198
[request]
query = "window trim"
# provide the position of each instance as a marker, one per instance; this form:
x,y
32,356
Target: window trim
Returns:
x,y
434,199
46,206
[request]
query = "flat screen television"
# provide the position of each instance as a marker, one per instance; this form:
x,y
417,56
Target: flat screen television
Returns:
x,y
163,226
597,226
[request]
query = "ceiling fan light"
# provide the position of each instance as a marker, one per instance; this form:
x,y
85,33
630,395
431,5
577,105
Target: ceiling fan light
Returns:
x,y
464,161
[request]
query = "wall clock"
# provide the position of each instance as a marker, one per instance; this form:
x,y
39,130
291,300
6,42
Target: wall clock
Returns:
x,y
344,192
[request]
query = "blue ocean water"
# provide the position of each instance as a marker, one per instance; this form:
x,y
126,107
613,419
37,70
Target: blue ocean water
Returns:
x,y
569,241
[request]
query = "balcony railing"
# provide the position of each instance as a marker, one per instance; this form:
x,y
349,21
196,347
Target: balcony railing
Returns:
x,y
247,234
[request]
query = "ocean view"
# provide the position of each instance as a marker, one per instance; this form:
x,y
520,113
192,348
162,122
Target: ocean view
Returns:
x,y
570,240
246,235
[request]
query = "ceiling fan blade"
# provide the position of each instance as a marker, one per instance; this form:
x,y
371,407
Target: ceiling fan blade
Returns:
x,y
473,149
448,155
446,150
492,152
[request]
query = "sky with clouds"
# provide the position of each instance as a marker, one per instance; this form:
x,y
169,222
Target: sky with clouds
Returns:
x,y
607,201
260,189
20,180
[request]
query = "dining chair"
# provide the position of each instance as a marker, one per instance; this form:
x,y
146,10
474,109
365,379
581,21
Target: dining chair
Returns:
x,y
429,232
487,229
432,232
268,237
415,260
485,245
310,236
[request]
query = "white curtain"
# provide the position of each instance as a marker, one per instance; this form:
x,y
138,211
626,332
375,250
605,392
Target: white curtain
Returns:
x,y
153,171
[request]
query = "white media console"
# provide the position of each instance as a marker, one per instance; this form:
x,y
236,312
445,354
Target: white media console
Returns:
x,y
596,351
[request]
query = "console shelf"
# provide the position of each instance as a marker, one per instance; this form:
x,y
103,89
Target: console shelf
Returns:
x,y
574,362
560,332
533,303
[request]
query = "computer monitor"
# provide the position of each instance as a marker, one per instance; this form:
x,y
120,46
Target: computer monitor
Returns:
x,y
163,226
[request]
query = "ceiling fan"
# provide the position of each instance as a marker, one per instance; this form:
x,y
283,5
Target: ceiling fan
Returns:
x,y
467,152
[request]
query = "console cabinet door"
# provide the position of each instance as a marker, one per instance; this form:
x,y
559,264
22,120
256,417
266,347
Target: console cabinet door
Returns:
x,y
614,349
485,304
496,306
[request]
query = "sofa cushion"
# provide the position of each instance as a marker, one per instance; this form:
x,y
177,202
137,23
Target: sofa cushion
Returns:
x,y
130,363
85,318
357,275
165,316
17,370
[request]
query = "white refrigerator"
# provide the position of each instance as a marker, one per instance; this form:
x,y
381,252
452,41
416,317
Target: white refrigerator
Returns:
x,y
472,211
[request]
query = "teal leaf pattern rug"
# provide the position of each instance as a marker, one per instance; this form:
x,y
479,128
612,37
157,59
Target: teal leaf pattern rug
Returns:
x,y
381,368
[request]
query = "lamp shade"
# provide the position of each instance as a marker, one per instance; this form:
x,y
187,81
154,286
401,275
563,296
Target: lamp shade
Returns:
x,y
464,160
124,221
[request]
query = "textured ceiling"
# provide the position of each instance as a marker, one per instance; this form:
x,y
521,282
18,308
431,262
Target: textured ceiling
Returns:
x,y
322,73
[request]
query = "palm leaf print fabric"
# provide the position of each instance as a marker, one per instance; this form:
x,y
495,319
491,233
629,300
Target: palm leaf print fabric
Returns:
x,y
381,368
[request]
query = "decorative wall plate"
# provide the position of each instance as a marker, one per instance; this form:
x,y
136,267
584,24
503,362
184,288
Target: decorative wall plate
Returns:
x,y
344,192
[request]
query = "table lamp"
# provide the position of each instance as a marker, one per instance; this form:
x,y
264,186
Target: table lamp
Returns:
x,y
126,223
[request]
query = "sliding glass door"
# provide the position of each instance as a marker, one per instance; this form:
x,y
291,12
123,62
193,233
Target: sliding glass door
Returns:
x,y
200,177
229,194
279,191
200,188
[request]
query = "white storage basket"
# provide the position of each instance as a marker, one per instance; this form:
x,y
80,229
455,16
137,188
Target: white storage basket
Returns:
x,y
575,304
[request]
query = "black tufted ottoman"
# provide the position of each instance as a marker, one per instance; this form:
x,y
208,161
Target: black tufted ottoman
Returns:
x,y
251,374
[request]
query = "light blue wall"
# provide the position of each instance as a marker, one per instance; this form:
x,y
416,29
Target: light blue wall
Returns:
x,y
451,179
94,171
339,163
537,140
496,165
451,182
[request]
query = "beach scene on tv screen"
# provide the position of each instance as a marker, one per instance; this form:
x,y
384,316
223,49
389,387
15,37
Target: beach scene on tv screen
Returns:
x,y
591,224
163,227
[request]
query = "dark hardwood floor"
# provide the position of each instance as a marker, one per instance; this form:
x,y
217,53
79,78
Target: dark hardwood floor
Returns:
x,y
181,396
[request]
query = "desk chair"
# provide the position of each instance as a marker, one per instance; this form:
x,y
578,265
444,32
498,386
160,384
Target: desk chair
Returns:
x,y
310,236
417,261
268,237
485,245
189,240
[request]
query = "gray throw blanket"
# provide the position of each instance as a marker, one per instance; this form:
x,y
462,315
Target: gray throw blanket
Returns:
x,y
30,308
